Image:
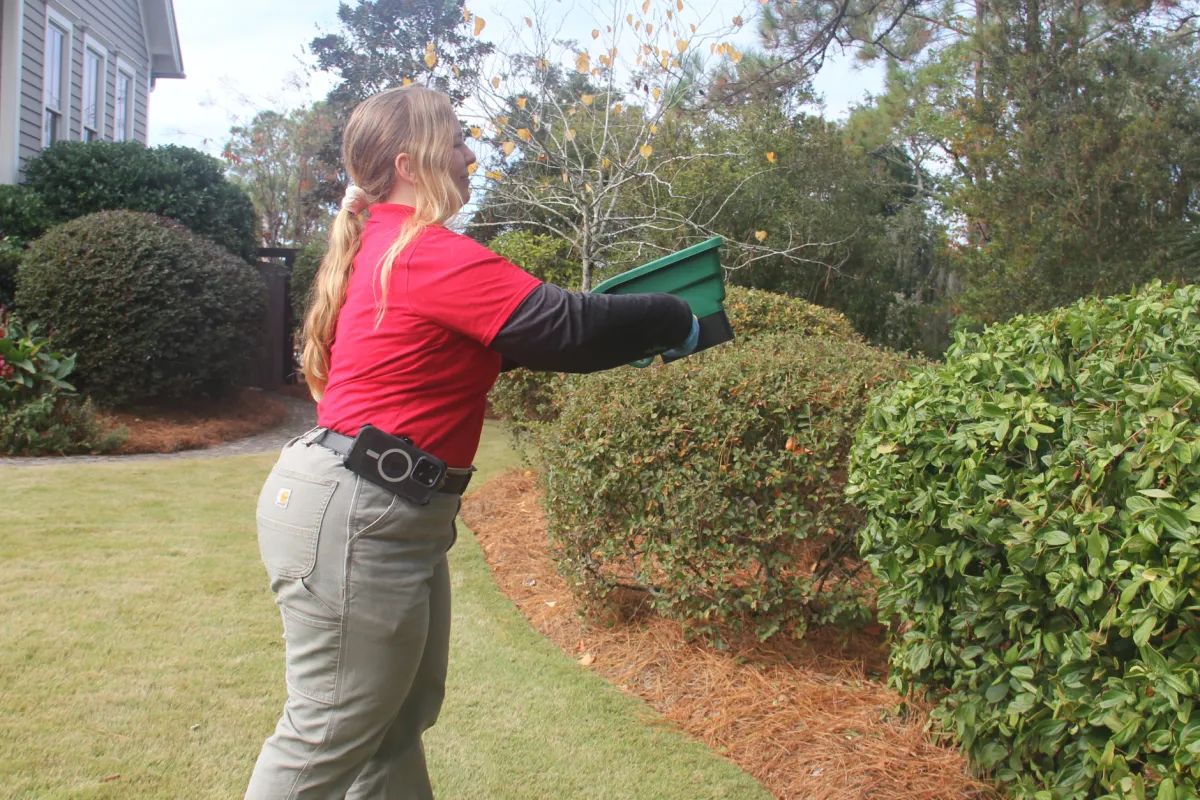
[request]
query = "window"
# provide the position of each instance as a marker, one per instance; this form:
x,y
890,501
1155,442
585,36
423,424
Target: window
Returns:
x,y
56,100
122,114
124,100
95,81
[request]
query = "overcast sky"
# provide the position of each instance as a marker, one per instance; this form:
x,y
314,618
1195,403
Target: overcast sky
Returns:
x,y
245,55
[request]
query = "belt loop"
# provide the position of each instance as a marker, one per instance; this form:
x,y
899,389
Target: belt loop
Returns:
x,y
312,436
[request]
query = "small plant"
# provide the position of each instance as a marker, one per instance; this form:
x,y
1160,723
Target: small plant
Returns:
x,y
39,411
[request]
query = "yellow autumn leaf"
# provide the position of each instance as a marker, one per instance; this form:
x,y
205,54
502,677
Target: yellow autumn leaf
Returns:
x,y
508,148
466,15
476,132
588,99
771,157
583,64
693,27
501,122
735,57
595,33
479,23
524,134
429,47
760,235
653,129
617,109
670,14
472,169
496,83
681,44
494,175
666,61
639,60
675,63
629,19
529,22
657,92
605,163
570,137
646,7
638,25
649,28
679,4
521,101
646,150
536,121
738,21
406,82
457,72
588,186
541,64
431,60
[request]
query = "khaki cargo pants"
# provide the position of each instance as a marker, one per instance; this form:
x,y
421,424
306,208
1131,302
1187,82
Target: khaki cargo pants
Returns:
x,y
361,580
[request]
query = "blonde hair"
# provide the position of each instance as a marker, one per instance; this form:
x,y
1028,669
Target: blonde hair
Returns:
x,y
413,120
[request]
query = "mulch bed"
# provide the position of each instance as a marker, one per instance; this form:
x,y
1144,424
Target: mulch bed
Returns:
x,y
195,425
809,720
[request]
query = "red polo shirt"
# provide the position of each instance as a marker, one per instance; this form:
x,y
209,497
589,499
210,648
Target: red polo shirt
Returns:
x,y
426,370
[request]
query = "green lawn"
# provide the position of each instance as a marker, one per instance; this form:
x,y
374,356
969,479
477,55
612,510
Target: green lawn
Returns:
x,y
138,638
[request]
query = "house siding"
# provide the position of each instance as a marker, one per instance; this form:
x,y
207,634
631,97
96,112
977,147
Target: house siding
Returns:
x,y
117,26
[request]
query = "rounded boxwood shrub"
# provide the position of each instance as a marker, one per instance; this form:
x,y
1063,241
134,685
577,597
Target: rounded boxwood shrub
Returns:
x,y
152,311
74,179
23,218
1033,517
714,484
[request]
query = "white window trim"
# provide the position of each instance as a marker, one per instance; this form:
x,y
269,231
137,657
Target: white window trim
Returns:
x,y
128,70
60,21
91,43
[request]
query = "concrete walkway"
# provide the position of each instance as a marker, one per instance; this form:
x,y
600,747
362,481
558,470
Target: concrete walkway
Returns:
x,y
301,417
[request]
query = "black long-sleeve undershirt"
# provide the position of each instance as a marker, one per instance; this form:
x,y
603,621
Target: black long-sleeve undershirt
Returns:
x,y
554,330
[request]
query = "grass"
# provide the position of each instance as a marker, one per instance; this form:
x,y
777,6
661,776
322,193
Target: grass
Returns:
x,y
138,639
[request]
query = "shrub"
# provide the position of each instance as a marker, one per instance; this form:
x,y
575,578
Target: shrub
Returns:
x,y
22,219
304,272
1033,516
714,483
39,412
153,311
74,179
526,398
548,257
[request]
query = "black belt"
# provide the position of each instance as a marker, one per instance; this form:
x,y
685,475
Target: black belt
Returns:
x,y
456,482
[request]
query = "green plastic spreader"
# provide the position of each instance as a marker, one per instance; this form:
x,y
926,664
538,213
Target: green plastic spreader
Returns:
x,y
693,274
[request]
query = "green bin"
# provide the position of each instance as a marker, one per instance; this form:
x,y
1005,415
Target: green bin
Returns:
x,y
694,274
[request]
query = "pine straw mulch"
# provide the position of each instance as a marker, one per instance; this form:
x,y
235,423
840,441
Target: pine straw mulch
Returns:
x,y
810,721
191,426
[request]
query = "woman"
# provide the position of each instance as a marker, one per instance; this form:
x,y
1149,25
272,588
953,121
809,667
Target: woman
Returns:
x,y
409,327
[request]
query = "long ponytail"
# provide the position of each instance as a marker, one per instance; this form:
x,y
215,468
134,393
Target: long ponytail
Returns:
x,y
327,297
413,120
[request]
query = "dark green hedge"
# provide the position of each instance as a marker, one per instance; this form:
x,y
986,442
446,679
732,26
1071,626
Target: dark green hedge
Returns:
x,y
714,484
74,179
1033,517
153,311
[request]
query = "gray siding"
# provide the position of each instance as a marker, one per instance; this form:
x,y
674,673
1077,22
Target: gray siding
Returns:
x,y
117,25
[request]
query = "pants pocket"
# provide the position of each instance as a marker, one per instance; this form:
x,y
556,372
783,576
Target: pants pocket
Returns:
x,y
291,509
313,648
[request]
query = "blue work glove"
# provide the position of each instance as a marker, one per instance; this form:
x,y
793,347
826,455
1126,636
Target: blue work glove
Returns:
x,y
686,349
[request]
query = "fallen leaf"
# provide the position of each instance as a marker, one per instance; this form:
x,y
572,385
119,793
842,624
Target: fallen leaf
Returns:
x,y
646,150
583,64
760,235
771,157
531,582
110,779
508,148
431,60
479,24
552,603
587,660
